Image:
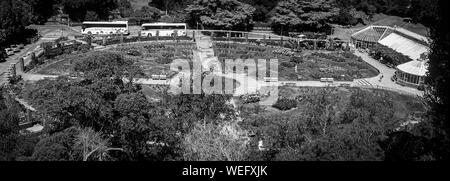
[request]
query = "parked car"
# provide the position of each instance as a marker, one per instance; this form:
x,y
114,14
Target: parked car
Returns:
x,y
21,46
15,48
9,51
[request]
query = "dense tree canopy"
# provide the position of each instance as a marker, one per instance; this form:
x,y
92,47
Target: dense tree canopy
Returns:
x,y
220,14
77,9
327,127
291,15
437,81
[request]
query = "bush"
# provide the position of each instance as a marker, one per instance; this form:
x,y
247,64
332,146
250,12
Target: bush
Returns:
x,y
284,104
165,58
297,60
387,55
288,64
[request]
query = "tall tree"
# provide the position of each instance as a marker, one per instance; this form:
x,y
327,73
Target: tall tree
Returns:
x,y
15,15
437,80
292,15
220,14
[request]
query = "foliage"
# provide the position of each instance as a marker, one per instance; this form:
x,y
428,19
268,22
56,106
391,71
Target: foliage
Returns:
x,y
91,16
9,134
146,14
125,9
77,9
220,14
288,64
171,6
15,17
437,85
263,8
328,125
57,147
92,145
212,142
285,104
387,55
301,16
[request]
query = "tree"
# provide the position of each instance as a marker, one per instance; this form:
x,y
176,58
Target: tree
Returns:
x,y
327,126
212,142
220,14
91,16
170,6
262,8
10,139
77,9
58,147
15,17
437,82
147,14
93,145
291,15
42,10
125,8
9,134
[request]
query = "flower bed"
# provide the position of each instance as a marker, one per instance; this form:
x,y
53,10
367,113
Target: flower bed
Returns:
x,y
340,65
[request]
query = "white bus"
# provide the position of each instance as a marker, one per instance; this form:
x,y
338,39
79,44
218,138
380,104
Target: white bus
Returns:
x,y
105,28
165,29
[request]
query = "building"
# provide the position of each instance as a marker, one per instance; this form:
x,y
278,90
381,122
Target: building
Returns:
x,y
403,41
369,36
412,73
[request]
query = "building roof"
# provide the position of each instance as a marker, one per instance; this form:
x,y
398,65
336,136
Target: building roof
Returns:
x,y
415,67
371,33
404,45
412,35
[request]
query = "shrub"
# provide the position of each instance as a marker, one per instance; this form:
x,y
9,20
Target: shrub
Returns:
x,y
165,58
297,59
284,104
387,55
288,64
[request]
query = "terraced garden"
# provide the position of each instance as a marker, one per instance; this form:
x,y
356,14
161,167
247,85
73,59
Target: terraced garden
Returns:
x,y
155,58
342,66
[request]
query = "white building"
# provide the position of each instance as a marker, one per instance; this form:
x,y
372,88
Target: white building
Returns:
x,y
403,41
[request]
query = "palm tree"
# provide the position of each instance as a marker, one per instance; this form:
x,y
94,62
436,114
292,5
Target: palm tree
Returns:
x,y
93,145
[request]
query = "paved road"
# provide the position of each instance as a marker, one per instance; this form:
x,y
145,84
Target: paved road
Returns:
x,y
49,32
386,81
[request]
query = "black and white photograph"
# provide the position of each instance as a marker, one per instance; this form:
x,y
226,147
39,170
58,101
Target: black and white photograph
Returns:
x,y
224,81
